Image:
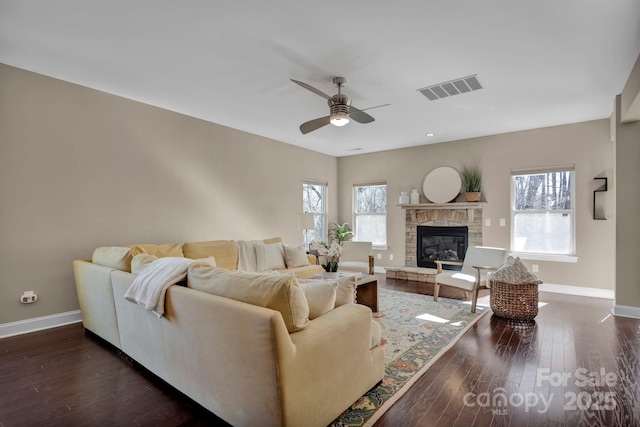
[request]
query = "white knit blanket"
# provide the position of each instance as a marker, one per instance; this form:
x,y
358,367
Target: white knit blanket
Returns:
x,y
150,287
251,255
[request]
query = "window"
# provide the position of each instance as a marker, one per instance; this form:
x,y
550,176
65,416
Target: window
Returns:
x,y
314,200
370,214
542,211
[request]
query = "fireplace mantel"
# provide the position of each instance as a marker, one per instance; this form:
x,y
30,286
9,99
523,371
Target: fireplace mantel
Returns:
x,y
454,205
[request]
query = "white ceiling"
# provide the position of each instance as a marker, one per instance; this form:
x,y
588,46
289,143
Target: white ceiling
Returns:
x,y
542,63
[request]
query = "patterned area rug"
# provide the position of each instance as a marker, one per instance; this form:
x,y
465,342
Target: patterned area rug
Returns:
x,y
415,332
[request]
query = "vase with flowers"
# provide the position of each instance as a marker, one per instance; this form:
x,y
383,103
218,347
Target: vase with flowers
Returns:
x,y
331,254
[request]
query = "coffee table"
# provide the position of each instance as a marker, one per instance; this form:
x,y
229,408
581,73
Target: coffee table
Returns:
x,y
367,291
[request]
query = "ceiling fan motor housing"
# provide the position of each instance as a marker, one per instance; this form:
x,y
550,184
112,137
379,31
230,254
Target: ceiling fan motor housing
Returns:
x,y
339,110
339,104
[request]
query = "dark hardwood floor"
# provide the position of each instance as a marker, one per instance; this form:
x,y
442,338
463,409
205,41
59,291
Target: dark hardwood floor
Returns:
x,y
575,355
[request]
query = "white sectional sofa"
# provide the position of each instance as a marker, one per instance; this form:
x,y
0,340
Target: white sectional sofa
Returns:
x,y
238,360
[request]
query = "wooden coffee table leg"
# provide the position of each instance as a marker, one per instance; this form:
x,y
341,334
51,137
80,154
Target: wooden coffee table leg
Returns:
x,y
367,294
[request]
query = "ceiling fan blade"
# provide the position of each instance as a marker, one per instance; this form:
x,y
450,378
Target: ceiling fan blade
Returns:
x,y
361,117
371,108
314,124
312,89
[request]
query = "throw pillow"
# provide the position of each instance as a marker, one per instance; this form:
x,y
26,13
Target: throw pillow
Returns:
x,y
346,292
161,251
345,288
321,296
274,254
275,291
113,256
295,256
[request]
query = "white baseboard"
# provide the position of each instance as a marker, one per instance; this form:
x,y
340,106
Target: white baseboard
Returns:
x,y
39,323
626,311
577,290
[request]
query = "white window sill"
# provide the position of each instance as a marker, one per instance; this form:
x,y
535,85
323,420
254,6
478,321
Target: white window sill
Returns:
x,y
545,257
379,247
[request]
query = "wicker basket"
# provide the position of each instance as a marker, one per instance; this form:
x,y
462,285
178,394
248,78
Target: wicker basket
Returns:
x,y
516,302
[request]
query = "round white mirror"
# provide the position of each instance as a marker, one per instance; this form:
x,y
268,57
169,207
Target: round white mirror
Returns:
x,y
442,185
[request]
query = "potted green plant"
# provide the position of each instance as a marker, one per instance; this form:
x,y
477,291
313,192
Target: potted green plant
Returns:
x,y
472,183
341,232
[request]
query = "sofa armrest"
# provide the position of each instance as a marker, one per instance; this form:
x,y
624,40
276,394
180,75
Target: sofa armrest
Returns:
x,y
95,297
334,349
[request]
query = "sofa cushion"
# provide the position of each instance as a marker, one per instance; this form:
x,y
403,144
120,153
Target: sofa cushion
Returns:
x,y
275,291
113,256
295,256
321,297
224,251
274,256
161,251
272,240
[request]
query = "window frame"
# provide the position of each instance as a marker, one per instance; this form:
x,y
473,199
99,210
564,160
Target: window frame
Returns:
x,y
544,256
375,246
320,217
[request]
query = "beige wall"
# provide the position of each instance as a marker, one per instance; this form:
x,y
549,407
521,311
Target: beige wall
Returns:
x,y
80,168
627,202
586,145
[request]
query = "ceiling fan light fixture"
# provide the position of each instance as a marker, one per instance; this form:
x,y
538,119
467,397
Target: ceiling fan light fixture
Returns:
x,y
339,119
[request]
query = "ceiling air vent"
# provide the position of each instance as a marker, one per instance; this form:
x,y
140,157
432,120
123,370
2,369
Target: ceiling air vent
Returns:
x,y
452,87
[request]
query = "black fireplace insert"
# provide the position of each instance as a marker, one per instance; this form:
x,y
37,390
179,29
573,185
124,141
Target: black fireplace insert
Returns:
x,y
441,243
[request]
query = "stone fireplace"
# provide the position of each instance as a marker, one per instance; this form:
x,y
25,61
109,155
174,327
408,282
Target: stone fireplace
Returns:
x,y
458,215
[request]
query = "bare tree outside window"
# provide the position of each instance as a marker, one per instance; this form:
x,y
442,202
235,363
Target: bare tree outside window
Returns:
x,y
314,201
542,213
371,214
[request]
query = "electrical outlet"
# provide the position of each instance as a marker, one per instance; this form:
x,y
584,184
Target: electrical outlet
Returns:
x,y
487,222
534,268
503,222
28,297
379,256
390,257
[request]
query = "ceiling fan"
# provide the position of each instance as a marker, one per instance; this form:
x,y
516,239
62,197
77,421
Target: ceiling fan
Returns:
x,y
340,109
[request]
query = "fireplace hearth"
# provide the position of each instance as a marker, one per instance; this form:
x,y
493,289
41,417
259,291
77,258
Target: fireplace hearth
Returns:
x,y
441,244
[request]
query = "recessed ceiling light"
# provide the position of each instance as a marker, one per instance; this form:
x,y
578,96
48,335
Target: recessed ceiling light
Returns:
x,y
430,134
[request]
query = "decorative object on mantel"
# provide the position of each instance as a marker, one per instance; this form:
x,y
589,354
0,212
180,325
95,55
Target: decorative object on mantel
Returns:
x,y
472,183
442,185
404,198
415,197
